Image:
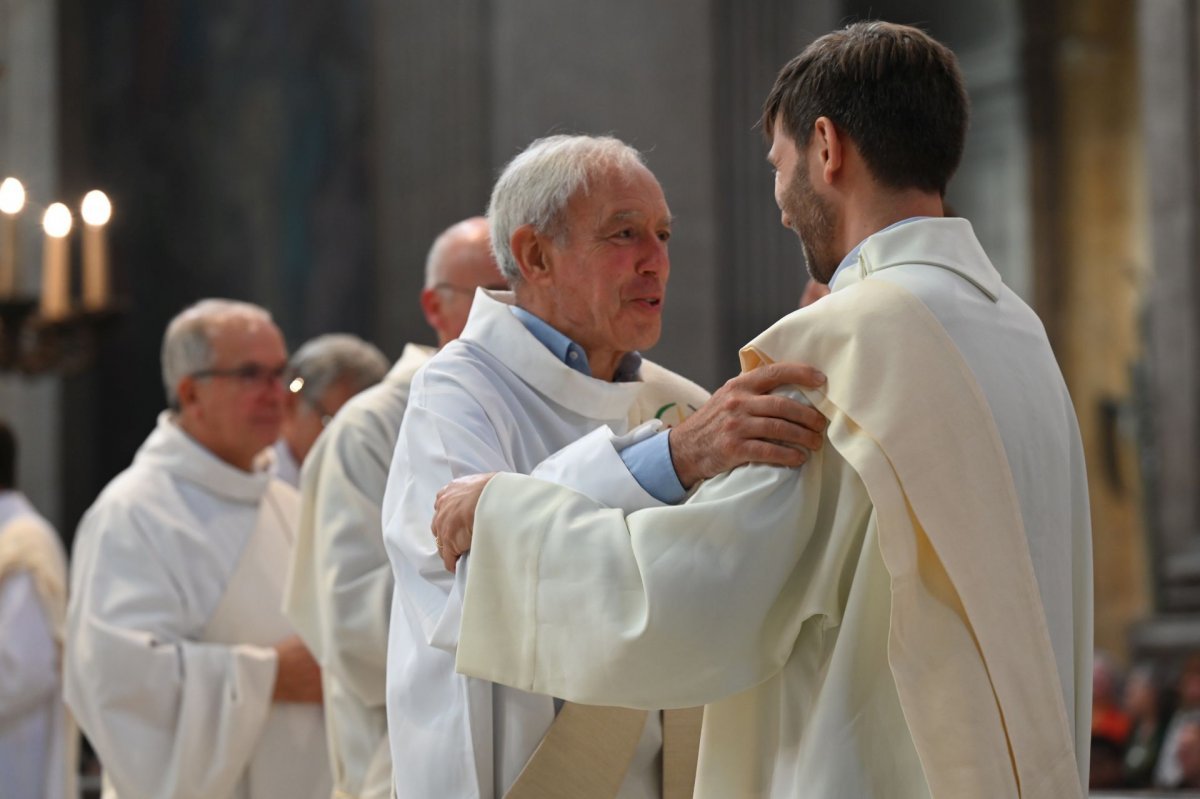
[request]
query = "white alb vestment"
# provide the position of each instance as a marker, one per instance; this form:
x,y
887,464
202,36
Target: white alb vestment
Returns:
x,y
339,591
177,584
495,399
35,730
909,614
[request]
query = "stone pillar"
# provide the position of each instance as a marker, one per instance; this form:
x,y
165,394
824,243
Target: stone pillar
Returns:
x,y
1101,225
1168,43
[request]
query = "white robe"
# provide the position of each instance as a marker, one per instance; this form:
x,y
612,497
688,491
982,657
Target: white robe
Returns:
x,y
773,595
495,399
178,578
287,468
339,591
34,728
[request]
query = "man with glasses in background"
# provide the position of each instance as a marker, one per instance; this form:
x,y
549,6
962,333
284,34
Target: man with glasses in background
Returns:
x,y
340,586
324,373
180,667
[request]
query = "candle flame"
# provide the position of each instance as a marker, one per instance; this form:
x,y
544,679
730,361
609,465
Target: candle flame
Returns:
x,y
57,221
96,209
12,196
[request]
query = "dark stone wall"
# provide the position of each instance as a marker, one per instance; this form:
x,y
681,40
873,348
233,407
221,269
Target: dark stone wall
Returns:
x,y
233,139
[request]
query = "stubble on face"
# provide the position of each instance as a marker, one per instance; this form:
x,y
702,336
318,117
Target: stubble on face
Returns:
x,y
815,222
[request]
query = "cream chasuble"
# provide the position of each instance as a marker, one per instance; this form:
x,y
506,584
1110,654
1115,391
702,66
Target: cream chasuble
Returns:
x,y
909,614
495,399
339,590
38,738
176,589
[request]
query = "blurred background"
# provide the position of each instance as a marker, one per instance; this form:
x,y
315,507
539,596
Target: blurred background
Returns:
x,y
302,155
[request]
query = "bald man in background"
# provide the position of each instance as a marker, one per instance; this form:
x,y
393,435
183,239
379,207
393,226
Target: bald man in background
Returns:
x,y
340,587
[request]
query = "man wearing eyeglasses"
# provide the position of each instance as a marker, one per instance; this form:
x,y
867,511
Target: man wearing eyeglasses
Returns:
x,y
340,585
322,375
179,666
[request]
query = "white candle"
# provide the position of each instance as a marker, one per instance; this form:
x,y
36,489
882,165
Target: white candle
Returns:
x,y
55,277
96,211
12,200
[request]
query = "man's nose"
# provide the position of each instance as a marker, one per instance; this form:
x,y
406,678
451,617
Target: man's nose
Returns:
x,y
785,219
655,260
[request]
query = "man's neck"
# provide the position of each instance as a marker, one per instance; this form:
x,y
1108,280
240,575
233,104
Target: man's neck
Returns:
x,y
602,365
866,218
193,432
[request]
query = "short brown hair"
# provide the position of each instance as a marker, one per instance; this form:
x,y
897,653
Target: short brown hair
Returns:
x,y
894,90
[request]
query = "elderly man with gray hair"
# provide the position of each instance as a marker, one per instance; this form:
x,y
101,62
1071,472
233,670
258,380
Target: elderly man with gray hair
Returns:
x,y
180,667
324,373
548,380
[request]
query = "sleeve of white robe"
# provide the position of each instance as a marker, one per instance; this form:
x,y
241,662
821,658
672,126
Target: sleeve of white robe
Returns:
x,y
168,716
446,434
354,588
666,607
28,656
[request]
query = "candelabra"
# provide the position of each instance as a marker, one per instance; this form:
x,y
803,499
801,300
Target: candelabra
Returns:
x,y
47,333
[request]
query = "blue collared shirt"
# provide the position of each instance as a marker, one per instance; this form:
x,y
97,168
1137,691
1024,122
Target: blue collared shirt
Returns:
x,y
649,460
852,256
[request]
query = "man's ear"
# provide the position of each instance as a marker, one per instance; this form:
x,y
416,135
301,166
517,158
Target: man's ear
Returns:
x,y
431,305
185,391
830,143
529,249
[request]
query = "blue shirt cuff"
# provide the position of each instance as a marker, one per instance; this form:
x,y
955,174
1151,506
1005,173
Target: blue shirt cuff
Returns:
x,y
649,461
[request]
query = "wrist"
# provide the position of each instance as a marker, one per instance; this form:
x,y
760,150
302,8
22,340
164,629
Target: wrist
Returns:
x,y
677,444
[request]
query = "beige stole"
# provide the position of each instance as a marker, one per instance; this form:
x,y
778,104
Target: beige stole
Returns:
x,y
968,642
587,750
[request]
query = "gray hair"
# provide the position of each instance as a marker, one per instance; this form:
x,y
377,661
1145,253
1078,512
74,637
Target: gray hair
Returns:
x,y
335,358
187,344
536,186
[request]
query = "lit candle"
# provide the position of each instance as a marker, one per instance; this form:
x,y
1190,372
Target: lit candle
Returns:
x,y
96,211
12,200
55,278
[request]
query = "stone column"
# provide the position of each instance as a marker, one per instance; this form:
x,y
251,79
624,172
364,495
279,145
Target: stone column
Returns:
x,y
1168,46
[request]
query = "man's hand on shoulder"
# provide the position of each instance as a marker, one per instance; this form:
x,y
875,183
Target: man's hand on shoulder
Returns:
x,y
744,423
454,516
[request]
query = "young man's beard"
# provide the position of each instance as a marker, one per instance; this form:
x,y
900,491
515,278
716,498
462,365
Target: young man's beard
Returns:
x,y
815,221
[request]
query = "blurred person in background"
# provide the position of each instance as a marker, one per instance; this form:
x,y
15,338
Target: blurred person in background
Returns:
x,y
324,373
1187,753
1143,706
340,587
1168,773
180,666
37,738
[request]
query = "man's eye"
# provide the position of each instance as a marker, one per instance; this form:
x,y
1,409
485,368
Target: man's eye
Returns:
x,y
664,235
625,233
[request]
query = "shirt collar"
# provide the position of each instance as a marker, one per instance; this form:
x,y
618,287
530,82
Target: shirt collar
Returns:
x,y
852,256
571,353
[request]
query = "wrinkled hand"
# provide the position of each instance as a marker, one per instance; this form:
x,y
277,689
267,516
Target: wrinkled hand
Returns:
x,y
744,423
454,516
297,675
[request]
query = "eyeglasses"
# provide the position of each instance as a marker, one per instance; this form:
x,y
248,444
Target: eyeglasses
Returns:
x,y
249,375
297,387
469,289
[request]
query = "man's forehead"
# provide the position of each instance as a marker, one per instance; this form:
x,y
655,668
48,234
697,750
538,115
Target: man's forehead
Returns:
x,y
247,340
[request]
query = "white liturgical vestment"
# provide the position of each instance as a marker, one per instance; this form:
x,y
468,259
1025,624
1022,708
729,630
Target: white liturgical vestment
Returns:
x,y
177,584
339,592
909,614
495,399
35,730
